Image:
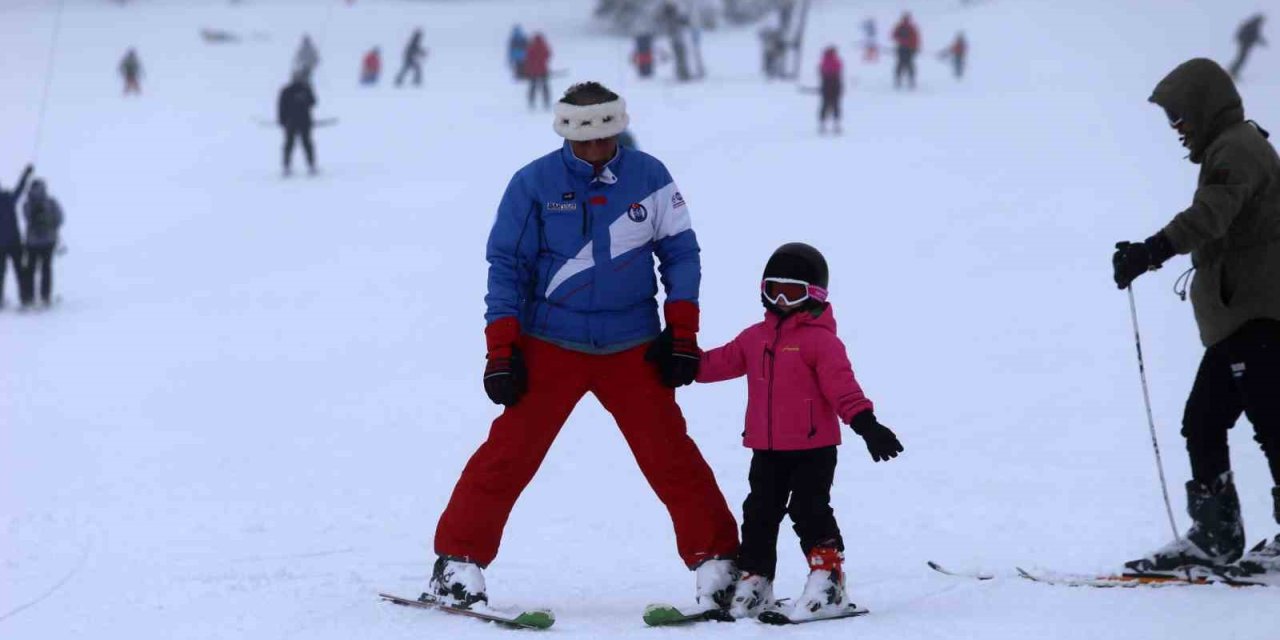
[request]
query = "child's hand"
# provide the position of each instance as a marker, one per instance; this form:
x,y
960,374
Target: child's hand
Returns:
x,y
881,441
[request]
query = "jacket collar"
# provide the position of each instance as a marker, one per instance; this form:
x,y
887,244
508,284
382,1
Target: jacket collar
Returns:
x,y
583,169
821,317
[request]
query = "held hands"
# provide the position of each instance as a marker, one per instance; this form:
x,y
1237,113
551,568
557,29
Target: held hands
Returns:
x,y
505,377
676,356
1133,259
881,442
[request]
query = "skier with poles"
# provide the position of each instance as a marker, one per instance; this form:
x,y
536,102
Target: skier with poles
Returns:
x,y
537,68
1232,231
800,386
11,239
413,55
293,114
571,310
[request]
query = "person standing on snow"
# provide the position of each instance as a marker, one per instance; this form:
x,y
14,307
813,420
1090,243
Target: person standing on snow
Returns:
x,y
799,385
907,38
957,52
870,49
44,219
571,310
413,55
371,67
1232,231
1247,37
306,59
11,239
131,71
643,56
537,67
831,70
293,111
517,47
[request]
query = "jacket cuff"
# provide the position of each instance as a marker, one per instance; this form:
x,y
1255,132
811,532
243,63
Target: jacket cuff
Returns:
x,y
501,335
862,422
682,316
1159,248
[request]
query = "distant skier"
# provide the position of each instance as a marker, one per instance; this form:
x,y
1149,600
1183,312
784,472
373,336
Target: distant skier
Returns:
x,y
1247,37
294,116
643,56
957,51
561,326
831,70
131,71
907,39
796,400
675,24
11,239
870,48
44,219
537,68
371,67
1232,231
774,48
517,48
307,58
413,55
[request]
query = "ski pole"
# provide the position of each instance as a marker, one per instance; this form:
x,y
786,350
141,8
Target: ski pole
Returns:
x,y
1151,423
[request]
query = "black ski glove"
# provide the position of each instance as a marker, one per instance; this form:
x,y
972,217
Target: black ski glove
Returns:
x,y
677,358
1133,259
505,378
881,442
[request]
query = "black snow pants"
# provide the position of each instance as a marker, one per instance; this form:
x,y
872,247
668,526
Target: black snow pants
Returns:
x,y
906,68
537,83
830,108
1238,375
415,67
14,255
795,483
291,135
40,263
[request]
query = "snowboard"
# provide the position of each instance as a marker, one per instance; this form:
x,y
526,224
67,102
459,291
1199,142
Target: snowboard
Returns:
x,y
665,615
527,619
779,618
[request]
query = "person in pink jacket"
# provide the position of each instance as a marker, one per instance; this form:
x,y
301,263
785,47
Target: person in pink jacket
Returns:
x,y
800,385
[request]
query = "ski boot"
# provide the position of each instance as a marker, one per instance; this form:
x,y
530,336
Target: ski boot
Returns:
x,y
456,582
1216,537
1264,558
752,596
716,578
824,593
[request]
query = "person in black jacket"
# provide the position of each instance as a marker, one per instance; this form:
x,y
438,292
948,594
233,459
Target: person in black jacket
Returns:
x,y
11,239
413,55
1248,36
294,115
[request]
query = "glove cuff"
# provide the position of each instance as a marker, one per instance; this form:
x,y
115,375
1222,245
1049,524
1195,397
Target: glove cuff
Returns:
x,y
682,317
863,421
1160,248
500,336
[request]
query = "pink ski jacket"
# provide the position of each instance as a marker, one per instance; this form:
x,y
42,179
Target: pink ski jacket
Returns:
x,y
799,380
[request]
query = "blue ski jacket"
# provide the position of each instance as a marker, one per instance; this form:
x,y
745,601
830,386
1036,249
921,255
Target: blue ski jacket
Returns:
x,y
571,254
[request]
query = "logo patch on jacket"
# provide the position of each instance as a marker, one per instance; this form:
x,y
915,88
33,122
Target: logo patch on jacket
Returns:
x,y
677,200
554,207
568,196
637,212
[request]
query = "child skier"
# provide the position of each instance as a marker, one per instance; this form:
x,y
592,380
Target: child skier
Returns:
x,y
799,381
831,70
371,67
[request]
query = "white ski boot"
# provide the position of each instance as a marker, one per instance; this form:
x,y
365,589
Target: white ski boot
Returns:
x,y
1262,561
824,593
716,578
752,596
456,582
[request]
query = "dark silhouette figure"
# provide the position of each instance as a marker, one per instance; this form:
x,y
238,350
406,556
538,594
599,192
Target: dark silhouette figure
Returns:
x,y
643,57
11,239
831,71
517,47
1247,37
413,55
131,71
907,38
537,67
44,219
294,115
957,52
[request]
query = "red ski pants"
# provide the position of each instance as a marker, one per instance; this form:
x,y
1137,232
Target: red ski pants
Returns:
x,y
647,415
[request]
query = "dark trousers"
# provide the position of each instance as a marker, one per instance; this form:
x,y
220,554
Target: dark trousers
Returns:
x,y
957,65
1241,55
413,66
795,483
537,83
40,263
1240,375
14,255
291,135
830,103
906,68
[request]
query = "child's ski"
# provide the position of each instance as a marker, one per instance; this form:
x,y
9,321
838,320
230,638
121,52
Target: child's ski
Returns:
x,y
976,575
780,618
528,619
664,615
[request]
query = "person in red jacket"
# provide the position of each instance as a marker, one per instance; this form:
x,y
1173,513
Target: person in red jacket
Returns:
x,y
371,67
799,382
537,68
831,71
907,38
957,51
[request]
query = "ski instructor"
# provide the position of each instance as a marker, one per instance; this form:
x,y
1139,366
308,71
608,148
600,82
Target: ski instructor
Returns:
x,y
571,310
1232,231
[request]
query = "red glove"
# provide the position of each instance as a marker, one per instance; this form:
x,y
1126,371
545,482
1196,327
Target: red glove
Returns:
x,y
676,352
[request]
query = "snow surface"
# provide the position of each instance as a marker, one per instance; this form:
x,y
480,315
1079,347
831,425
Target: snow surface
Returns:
x,y
253,402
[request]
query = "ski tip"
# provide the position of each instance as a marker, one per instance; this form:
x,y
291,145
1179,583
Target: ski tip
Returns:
x,y
540,619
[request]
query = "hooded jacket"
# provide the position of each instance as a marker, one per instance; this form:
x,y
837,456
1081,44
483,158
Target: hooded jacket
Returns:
x,y
799,380
1232,228
43,216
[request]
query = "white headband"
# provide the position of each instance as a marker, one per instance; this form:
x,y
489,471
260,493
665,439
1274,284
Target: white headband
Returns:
x,y
591,122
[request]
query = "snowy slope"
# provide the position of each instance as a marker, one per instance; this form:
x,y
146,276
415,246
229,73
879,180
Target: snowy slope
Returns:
x,y
248,412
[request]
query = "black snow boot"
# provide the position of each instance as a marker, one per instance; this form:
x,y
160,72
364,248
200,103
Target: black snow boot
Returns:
x,y
1264,558
1216,537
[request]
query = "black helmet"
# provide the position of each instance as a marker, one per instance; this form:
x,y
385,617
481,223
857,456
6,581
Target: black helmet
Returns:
x,y
798,261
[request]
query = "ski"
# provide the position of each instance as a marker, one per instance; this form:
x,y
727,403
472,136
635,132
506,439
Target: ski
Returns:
x,y
780,618
1196,577
527,619
976,575
665,615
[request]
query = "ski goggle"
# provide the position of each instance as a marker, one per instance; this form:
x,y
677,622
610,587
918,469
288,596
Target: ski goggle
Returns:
x,y
786,291
1175,120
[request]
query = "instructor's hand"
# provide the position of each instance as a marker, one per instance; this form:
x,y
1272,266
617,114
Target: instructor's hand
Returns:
x,y
505,378
881,441
1133,259
676,356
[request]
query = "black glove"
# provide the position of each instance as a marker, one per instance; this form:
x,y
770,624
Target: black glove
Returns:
x,y
1133,259
505,378
881,442
677,358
